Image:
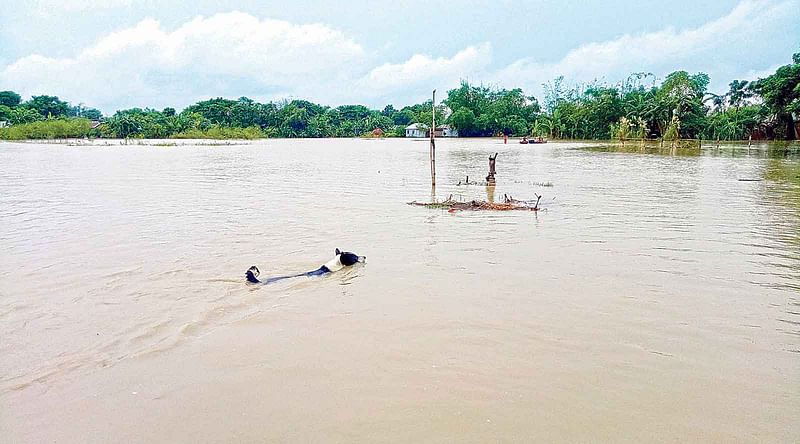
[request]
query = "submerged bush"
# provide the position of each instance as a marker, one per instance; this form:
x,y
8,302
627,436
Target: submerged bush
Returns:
x,y
48,129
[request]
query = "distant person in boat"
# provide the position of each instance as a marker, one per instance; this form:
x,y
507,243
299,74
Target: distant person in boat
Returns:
x,y
524,139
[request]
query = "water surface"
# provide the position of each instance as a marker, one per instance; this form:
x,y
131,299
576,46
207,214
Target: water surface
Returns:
x,y
655,298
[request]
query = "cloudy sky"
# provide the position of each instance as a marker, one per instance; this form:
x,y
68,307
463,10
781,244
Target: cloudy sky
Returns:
x,y
116,54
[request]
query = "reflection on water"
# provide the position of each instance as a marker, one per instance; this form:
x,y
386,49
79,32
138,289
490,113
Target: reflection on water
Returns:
x,y
783,191
777,265
490,193
653,275
776,150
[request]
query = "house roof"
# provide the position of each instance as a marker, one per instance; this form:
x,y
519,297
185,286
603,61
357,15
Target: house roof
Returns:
x,y
414,126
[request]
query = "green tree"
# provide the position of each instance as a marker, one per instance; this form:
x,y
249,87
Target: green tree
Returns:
x,y
404,117
483,111
513,125
48,106
553,94
23,114
320,126
141,123
681,95
388,111
216,111
9,98
464,121
92,114
353,112
735,123
82,111
5,113
739,93
295,121
781,94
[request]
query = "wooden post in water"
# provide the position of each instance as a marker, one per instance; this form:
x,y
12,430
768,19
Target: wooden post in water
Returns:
x,y
433,141
490,178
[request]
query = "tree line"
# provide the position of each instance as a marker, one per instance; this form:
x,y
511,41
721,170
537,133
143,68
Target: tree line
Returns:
x,y
680,106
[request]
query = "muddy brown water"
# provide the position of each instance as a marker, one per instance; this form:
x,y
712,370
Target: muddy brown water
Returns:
x,y
655,298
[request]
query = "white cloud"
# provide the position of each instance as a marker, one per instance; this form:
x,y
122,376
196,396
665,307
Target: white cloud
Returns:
x,y
146,65
755,74
425,71
666,49
234,54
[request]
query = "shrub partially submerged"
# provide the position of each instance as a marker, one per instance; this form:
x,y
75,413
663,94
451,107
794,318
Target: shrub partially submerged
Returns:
x,y
221,132
48,129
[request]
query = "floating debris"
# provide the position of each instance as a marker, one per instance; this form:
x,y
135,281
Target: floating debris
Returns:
x,y
467,182
535,184
508,204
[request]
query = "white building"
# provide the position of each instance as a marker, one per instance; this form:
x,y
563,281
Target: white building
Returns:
x,y
446,131
416,130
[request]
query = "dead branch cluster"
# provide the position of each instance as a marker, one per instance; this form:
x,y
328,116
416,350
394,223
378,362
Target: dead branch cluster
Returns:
x,y
508,204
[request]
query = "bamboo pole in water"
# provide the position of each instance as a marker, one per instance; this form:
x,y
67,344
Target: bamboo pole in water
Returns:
x,y
433,142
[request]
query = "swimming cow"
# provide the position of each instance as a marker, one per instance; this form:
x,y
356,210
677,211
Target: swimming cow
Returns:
x,y
341,260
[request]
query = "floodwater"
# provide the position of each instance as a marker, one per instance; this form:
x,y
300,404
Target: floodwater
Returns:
x,y
655,298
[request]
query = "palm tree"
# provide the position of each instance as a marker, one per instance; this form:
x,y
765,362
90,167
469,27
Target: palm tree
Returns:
x,y
717,100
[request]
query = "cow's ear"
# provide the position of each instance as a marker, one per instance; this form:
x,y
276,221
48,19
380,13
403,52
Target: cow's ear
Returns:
x,y
338,252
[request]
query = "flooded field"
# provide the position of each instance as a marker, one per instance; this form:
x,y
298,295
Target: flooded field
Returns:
x,y
655,298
